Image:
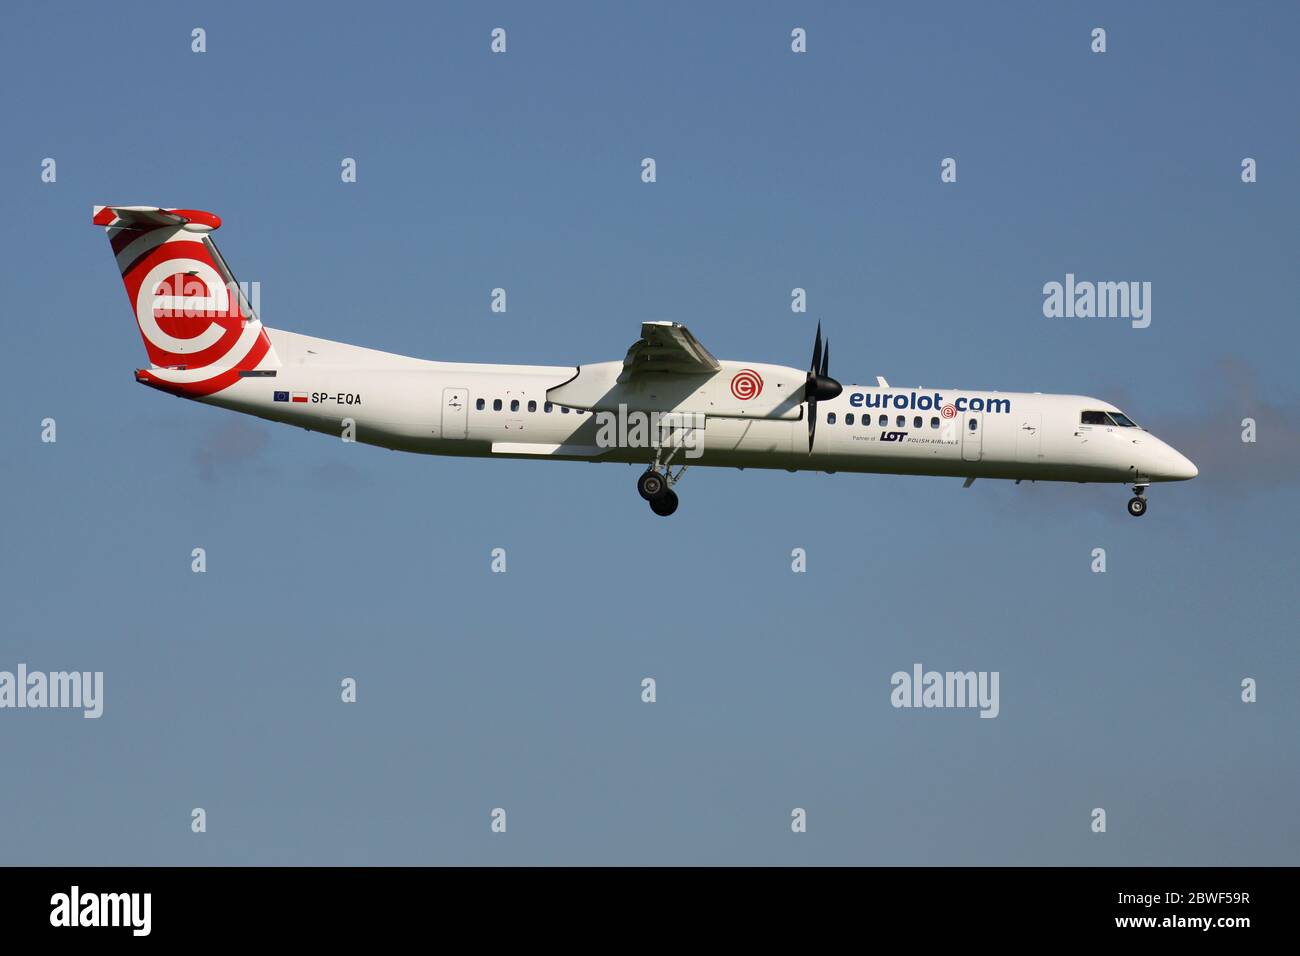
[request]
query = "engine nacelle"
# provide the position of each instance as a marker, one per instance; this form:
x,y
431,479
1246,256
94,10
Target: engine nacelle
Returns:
x,y
736,390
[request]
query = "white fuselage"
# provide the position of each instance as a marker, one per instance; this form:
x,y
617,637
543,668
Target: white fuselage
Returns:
x,y
444,408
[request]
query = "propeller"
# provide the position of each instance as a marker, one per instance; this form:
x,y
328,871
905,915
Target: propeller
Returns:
x,y
819,386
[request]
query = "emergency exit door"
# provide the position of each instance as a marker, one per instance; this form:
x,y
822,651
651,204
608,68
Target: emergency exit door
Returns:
x,y
455,412
972,436
1029,438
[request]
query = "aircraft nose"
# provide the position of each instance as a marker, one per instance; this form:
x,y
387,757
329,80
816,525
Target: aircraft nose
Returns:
x,y
1175,466
1184,468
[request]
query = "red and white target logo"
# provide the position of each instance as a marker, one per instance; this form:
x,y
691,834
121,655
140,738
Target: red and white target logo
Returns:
x,y
189,317
949,411
185,310
747,384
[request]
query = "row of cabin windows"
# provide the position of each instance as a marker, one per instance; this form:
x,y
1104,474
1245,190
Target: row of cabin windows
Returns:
x,y
900,421
497,405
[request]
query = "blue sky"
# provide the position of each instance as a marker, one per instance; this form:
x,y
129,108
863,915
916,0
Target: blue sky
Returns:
x,y
522,691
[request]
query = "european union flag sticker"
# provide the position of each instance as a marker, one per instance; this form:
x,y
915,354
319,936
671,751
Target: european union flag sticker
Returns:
x,y
281,396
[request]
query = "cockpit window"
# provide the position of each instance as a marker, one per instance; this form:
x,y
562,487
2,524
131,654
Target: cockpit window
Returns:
x,y
1107,418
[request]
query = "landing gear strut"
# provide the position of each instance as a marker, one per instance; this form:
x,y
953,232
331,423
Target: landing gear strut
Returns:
x,y
1137,505
655,485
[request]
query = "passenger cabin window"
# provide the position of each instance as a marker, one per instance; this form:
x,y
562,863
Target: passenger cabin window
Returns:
x,y
830,418
480,404
547,408
934,422
848,418
514,405
917,422
900,421
496,404
1094,418
564,409
884,421
974,424
532,406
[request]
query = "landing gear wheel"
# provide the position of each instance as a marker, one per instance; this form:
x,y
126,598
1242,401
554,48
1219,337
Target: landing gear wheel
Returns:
x,y
1137,506
665,504
651,485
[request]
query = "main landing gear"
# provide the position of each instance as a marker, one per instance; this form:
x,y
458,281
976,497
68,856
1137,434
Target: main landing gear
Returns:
x,y
656,486
1137,505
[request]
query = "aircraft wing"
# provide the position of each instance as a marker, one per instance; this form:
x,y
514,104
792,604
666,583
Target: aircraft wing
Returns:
x,y
668,370
667,347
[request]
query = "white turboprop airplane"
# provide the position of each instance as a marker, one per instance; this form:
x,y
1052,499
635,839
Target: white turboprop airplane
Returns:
x,y
205,343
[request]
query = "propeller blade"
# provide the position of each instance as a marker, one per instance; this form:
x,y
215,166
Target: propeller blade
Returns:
x,y
819,383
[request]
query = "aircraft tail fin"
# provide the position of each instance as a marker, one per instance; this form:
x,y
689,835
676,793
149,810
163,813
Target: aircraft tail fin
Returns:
x,y
199,330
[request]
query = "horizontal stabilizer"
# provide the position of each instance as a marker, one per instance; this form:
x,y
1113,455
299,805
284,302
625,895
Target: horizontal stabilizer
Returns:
x,y
152,217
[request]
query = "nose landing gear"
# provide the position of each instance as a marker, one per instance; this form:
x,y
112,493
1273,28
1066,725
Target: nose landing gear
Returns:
x,y
656,486
1137,505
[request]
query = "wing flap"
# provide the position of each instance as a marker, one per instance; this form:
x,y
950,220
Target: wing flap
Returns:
x,y
667,347
547,449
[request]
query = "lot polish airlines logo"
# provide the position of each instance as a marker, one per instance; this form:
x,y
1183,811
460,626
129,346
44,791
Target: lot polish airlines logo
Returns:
x,y
76,908
1102,300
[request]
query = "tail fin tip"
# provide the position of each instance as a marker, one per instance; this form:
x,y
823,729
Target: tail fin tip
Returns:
x,y
151,217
